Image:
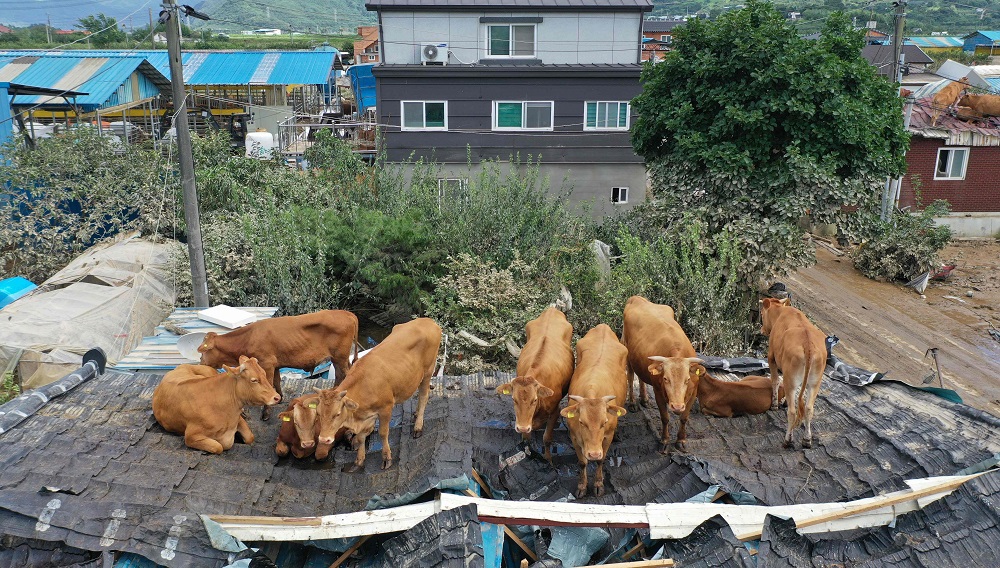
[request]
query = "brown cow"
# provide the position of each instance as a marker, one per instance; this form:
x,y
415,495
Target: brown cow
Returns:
x,y
984,105
299,429
301,342
797,348
750,395
387,376
205,405
651,333
543,372
947,97
591,416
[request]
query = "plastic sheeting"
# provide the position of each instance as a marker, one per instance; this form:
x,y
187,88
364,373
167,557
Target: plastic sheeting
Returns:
x,y
109,297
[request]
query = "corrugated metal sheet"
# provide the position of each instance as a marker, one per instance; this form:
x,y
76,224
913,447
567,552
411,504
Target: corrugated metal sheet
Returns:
x,y
935,41
303,68
953,130
991,35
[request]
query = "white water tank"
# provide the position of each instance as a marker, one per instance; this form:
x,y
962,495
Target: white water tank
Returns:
x,y
260,144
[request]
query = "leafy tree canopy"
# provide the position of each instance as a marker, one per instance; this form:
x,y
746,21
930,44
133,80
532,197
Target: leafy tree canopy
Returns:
x,y
748,122
104,30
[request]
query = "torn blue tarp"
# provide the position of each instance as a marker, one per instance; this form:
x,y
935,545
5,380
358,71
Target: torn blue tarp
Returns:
x,y
574,546
493,537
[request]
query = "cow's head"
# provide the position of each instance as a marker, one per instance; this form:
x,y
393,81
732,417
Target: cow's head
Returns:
x,y
252,384
335,410
526,391
304,414
591,419
680,378
209,354
769,315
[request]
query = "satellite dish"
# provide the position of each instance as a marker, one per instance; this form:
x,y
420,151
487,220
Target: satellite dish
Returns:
x,y
430,51
188,344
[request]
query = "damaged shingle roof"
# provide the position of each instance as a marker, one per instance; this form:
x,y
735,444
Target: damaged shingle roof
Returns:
x,y
96,455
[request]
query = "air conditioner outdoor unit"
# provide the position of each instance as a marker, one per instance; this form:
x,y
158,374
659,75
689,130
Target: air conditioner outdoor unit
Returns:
x,y
434,54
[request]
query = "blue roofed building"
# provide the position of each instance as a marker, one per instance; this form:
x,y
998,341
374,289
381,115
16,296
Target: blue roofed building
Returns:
x,y
982,42
935,44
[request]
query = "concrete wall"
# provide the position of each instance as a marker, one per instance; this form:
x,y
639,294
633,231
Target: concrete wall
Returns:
x,y
587,187
561,37
972,224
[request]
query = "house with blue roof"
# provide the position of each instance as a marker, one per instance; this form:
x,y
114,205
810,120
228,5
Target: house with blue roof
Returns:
x,y
935,44
982,42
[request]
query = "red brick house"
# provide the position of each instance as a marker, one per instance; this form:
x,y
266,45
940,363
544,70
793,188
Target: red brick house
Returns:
x,y
957,161
366,48
657,37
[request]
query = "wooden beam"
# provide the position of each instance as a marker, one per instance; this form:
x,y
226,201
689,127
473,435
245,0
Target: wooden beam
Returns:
x,y
482,484
347,553
517,540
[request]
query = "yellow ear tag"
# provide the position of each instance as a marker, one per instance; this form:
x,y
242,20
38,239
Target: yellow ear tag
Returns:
x,y
618,412
505,391
697,371
313,405
286,418
570,414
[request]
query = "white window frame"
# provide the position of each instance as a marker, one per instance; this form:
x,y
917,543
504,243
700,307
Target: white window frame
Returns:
x,y
664,37
617,191
487,46
425,128
524,114
628,116
951,154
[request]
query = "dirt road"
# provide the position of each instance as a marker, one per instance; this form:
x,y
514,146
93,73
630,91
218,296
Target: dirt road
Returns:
x,y
888,327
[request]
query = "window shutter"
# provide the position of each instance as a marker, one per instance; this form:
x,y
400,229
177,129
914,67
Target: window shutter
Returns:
x,y
591,115
509,115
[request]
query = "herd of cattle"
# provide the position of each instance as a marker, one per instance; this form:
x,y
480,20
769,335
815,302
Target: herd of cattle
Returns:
x,y
206,405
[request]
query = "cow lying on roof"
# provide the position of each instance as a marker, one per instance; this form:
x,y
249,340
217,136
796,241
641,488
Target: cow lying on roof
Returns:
x,y
797,348
299,429
592,415
387,376
543,372
301,342
205,405
651,334
750,395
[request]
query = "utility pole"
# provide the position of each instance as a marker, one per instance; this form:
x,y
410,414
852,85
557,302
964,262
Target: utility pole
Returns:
x,y
199,280
152,31
48,29
897,40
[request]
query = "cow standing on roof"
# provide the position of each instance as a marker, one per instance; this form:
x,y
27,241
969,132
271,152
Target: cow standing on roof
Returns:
x,y
651,334
301,342
544,369
797,348
388,375
206,405
592,415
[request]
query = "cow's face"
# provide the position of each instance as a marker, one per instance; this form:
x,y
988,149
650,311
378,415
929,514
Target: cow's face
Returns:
x,y
335,409
768,314
590,420
252,384
304,415
209,354
680,380
526,392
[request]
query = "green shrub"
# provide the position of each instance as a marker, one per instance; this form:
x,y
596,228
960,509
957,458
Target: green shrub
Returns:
x,y
9,389
905,246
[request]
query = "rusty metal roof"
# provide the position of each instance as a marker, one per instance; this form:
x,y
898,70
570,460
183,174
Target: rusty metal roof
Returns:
x,y
959,130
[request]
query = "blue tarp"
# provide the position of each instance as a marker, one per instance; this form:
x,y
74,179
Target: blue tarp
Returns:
x,y
363,85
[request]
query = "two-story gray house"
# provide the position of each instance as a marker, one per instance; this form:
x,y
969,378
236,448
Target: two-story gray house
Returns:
x,y
466,80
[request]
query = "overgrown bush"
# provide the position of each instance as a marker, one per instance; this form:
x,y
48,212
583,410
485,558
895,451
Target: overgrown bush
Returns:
x,y
905,246
9,390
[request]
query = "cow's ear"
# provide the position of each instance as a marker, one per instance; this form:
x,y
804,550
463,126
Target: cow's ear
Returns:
x,y
505,388
350,404
207,343
244,359
616,410
654,369
569,412
785,301
233,370
285,416
545,392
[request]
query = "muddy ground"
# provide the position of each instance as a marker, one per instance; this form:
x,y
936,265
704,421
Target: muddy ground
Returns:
x,y
888,327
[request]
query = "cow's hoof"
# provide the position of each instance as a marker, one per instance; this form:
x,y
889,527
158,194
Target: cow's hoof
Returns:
x,y
599,490
581,492
632,406
386,464
265,414
807,443
647,403
774,406
664,449
681,446
352,468
417,434
788,445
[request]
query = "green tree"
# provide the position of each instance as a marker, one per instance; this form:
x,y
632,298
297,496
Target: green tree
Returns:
x,y
103,29
752,127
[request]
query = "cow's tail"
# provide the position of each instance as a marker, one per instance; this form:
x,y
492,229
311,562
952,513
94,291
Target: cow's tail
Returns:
x,y
356,347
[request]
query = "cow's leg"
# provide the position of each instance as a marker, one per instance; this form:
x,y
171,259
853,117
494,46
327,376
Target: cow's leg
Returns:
x,y
682,429
281,448
812,390
550,425
793,393
581,485
275,373
384,416
199,441
599,474
359,461
244,429
423,394
772,367
322,451
664,407
644,394
340,365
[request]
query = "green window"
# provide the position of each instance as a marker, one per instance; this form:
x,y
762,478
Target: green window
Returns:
x,y
508,40
523,115
606,115
425,115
